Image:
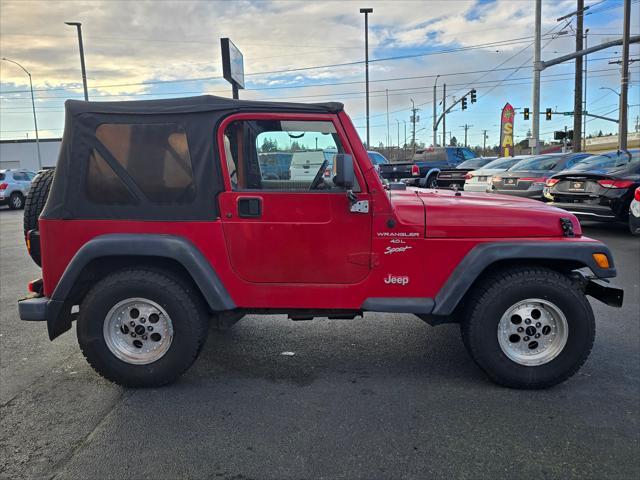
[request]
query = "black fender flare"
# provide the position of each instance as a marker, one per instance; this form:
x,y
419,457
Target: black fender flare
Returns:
x,y
432,171
171,247
486,254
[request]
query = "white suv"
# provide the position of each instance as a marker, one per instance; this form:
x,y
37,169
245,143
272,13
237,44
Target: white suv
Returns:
x,y
14,186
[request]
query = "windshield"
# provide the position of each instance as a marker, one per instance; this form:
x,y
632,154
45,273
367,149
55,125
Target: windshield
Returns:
x,y
501,163
607,160
536,163
1,176
376,158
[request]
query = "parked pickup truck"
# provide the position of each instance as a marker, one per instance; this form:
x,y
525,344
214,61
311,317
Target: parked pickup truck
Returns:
x,y
160,221
426,164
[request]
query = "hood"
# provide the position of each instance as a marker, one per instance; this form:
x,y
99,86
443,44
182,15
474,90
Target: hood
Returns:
x,y
481,215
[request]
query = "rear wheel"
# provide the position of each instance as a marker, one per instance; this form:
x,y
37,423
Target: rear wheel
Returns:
x,y
528,327
430,182
36,199
141,328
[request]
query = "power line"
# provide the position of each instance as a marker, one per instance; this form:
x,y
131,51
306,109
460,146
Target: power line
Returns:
x,y
283,87
341,94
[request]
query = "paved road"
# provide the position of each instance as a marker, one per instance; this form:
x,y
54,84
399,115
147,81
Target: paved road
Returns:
x,y
386,396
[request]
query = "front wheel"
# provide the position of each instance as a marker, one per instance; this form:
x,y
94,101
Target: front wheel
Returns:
x,y
528,327
141,328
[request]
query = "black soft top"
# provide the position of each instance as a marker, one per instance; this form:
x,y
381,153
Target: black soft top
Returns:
x,y
134,164
203,103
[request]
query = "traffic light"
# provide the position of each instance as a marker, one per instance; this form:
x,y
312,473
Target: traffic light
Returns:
x,y
548,114
464,103
526,114
473,96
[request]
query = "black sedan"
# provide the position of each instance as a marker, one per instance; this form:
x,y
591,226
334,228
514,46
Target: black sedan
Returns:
x,y
456,176
527,178
604,194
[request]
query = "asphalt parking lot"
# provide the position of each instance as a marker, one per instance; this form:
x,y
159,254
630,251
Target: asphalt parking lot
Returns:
x,y
385,396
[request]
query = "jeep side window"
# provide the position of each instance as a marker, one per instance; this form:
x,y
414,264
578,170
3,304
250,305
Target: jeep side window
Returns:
x,y
281,155
155,156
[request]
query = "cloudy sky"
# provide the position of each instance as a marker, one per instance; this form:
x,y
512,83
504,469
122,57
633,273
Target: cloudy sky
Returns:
x,y
311,51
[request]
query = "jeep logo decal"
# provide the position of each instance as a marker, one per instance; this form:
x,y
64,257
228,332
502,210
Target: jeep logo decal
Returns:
x,y
393,280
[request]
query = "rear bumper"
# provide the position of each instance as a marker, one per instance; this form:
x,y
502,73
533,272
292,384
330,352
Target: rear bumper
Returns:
x,y
42,309
477,187
535,194
33,309
585,211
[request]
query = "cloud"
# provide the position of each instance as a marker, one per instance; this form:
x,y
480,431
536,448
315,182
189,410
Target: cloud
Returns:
x,y
151,41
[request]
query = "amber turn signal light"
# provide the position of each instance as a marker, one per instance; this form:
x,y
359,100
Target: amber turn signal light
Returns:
x,y
601,259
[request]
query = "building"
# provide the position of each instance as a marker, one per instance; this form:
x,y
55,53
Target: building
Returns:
x,y
23,153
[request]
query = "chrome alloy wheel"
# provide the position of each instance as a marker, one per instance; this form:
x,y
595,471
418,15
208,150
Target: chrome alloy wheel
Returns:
x,y
533,332
138,331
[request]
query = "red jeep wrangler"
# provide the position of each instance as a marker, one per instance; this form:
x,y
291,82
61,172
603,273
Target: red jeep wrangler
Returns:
x,y
160,218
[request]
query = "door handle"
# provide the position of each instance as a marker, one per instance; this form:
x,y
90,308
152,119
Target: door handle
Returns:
x,y
250,207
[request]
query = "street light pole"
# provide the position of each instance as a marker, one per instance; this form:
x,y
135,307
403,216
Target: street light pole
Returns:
x,y
78,26
388,131
33,106
366,12
398,125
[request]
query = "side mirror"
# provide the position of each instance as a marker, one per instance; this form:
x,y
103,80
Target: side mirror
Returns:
x,y
344,176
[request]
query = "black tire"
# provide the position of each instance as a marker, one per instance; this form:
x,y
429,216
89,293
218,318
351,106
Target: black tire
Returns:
x,y
181,303
36,199
431,181
16,201
487,304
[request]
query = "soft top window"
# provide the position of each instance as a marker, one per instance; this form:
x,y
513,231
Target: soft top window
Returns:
x,y
154,156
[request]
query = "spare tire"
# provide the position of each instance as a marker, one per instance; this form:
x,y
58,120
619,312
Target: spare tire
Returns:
x,y
36,198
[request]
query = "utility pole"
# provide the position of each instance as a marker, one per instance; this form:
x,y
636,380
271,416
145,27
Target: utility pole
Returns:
x,y
484,142
366,12
624,80
577,102
435,113
537,67
413,120
404,147
466,127
444,116
78,26
584,93
398,125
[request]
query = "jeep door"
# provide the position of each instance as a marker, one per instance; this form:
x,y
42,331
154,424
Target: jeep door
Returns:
x,y
299,229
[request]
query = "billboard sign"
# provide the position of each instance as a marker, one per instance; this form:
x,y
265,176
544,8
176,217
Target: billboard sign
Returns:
x,y
232,63
506,131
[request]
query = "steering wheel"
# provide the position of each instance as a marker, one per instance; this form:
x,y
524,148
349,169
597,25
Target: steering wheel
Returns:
x,y
318,179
